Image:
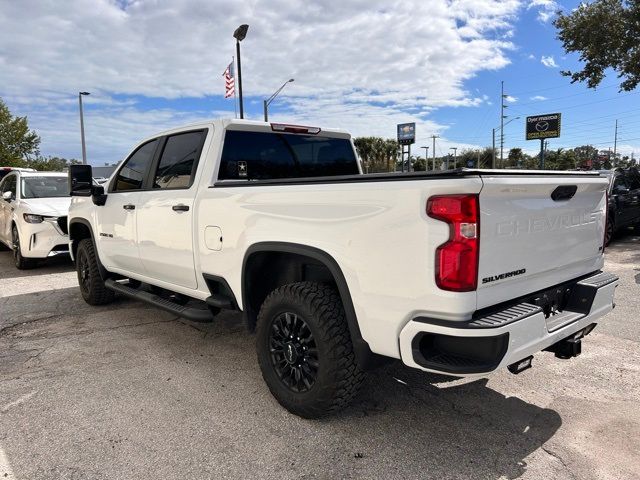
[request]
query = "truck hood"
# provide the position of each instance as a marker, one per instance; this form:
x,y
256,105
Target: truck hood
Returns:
x,y
55,206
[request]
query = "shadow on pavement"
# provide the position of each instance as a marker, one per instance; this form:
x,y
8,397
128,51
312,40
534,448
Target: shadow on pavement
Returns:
x,y
59,264
126,354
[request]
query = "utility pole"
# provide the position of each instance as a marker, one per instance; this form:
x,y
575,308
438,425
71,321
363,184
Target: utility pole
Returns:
x,y
502,117
455,156
493,149
615,142
434,149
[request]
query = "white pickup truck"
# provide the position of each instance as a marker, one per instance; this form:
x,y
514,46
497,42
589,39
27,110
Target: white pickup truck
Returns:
x,y
458,272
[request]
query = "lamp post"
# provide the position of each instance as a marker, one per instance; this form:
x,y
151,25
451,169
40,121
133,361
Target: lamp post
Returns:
x,y
426,158
239,35
84,148
268,101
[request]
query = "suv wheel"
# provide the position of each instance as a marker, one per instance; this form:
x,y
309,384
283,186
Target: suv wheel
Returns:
x,y
91,283
305,350
20,262
608,235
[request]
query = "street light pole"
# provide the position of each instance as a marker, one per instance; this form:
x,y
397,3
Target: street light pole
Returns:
x,y
434,149
267,102
239,35
84,147
426,158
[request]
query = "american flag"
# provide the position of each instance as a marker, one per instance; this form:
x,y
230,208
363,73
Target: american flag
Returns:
x,y
229,81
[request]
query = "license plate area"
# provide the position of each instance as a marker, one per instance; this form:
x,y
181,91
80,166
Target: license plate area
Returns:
x,y
553,301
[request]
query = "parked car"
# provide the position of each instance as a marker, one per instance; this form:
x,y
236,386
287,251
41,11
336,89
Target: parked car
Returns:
x,y
4,171
277,221
33,215
624,200
100,180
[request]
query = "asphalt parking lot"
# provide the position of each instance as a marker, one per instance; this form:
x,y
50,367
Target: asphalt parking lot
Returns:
x,y
127,391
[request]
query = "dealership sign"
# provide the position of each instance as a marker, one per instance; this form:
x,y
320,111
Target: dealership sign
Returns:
x,y
406,133
543,126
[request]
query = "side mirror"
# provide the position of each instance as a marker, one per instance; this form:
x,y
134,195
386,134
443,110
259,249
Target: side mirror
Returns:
x,y
80,180
8,196
98,196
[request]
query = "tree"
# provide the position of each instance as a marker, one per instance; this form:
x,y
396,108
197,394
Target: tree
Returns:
x,y
51,164
605,33
377,154
17,142
515,157
419,164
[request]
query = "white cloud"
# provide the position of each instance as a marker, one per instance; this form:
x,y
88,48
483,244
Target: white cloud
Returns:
x,y
546,9
548,61
531,56
538,98
511,99
351,53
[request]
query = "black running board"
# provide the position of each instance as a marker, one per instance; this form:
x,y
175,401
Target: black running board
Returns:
x,y
190,313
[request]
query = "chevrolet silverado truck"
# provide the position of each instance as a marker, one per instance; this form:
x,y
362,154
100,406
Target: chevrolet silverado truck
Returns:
x,y
457,272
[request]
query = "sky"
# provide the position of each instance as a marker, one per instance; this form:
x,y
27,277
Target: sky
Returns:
x,y
360,65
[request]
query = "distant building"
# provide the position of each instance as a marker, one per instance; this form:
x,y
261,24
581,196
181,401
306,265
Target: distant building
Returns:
x,y
103,171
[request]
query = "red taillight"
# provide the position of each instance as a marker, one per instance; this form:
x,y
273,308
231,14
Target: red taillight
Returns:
x,y
281,127
457,259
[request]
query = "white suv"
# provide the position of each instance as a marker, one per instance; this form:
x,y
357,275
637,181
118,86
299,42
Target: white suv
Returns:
x,y
33,215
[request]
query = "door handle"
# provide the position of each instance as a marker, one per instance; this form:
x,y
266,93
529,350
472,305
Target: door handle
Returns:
x,y
180,208
129,206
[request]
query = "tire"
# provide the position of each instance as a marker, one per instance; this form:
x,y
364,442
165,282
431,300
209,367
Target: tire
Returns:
x,y
20,262
91,283
608,235
328,376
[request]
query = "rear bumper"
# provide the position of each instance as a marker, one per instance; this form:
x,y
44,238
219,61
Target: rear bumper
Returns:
x,y
503,337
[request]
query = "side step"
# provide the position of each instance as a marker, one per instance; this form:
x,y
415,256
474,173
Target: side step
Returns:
x,y
190,313
220,301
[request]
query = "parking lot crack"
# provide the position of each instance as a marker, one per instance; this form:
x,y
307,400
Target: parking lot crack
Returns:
x,y
560,459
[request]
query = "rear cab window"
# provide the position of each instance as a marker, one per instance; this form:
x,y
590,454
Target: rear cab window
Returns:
x,y
273,155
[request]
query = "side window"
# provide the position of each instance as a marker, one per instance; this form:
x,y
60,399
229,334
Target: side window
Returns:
x,y
634,181
132,174
179,160
619,182
9,185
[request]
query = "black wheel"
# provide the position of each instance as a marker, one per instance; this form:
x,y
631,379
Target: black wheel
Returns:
x,y
608,234
305,350
20,262
91,283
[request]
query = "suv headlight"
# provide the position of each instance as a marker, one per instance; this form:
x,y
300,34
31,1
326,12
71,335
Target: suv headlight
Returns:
x,y
32,218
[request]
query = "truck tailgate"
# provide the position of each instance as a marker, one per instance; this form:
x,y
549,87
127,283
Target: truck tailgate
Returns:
x,y
536,233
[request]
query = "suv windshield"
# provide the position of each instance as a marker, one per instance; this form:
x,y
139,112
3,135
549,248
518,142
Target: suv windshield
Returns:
x,y
44,187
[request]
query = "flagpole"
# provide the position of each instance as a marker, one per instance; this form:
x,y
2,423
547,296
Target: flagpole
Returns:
x,y
235,99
